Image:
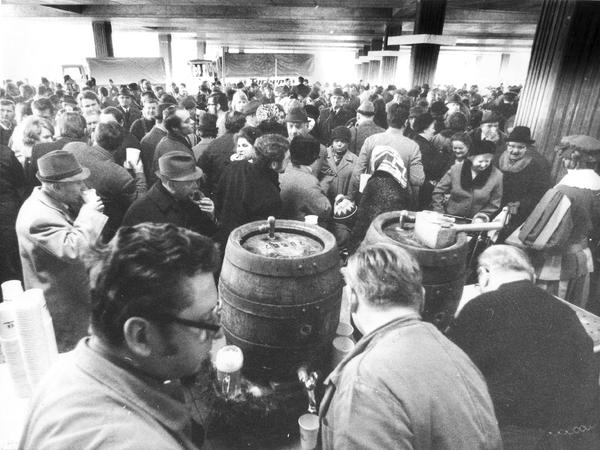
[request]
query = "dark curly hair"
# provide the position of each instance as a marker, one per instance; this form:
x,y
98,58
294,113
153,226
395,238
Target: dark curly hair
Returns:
x,y
139,273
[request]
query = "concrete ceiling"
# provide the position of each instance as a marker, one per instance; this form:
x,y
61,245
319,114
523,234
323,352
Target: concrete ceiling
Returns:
x,y
296,24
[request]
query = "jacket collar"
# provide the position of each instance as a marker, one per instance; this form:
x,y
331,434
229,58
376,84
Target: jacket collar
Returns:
x,y
147,394
44,198
369,340
179,138
161,197
103,153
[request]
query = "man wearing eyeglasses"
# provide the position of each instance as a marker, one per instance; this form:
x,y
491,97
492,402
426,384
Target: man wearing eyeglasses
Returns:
x,y
153,320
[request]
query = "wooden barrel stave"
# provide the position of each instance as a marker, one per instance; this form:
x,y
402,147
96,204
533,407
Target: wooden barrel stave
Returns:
x,y
283,313
444,270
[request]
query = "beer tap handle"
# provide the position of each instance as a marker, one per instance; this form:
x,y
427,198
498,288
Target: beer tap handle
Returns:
x,y
271,221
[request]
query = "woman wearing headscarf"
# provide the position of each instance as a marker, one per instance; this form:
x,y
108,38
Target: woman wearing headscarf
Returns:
x,y
386,190
565,272
474,185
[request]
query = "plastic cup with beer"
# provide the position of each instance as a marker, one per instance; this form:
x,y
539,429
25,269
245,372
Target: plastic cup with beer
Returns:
x,y
229,362
309,431
311,219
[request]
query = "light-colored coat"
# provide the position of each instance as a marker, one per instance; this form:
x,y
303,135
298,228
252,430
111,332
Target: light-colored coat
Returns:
x,y
52,243
335,178
301,195
467,202
88,402
405,386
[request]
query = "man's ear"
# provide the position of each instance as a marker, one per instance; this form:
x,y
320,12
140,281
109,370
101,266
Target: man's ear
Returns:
x,y
136,331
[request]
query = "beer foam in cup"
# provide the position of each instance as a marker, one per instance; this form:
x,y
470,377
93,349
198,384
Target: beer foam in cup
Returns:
x,y
229,359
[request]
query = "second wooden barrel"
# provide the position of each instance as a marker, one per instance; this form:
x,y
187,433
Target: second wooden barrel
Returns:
x,y
281,303
444,270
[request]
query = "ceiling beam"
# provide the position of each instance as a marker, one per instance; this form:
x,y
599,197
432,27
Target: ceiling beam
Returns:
x,y
404,4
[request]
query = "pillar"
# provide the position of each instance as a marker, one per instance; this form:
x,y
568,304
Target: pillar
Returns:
x,y
365,65
429,19
504,62
374,64
562,89
103,39
164,48
200,49
389,63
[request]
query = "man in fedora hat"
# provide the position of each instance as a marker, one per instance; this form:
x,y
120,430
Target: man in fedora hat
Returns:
x,y
526,177
176,199
364,127
130,112
297,125
55,228
333,117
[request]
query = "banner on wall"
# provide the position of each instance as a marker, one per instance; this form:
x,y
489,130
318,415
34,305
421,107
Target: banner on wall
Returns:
x,y
267,65
127,70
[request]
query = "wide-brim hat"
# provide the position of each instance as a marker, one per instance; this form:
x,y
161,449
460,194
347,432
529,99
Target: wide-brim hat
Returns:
x,y
520,134
178,166
60,166
125,92
338,92
297,115
366,108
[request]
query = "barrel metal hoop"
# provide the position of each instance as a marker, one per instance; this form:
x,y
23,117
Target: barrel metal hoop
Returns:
x,y
288,311
310,345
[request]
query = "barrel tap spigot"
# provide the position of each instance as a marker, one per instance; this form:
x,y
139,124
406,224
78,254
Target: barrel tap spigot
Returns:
x,y
271,222
309,380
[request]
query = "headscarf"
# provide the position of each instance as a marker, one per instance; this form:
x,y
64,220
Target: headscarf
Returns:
x,y
386,159
267,112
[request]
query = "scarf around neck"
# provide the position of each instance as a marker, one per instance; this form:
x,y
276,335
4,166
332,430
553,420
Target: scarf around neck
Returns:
x,y
506,166
467,182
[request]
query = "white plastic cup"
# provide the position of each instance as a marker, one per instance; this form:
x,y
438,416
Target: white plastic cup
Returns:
x,y
344,330
132,156
229,362
341,347
89,195
311,219
309,431
11,290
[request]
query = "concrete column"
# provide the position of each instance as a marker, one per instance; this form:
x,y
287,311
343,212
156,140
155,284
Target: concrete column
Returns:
x,y
388,70
103,39
374,71
164,47
504,62
390,63
429,19
200,49
562,90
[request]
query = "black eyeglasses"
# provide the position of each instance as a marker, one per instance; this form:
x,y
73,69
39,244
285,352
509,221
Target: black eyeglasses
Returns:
x,y
199,324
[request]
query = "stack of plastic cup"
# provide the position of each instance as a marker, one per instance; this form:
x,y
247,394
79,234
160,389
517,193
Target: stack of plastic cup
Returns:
x,y
11,349
29,320
11,290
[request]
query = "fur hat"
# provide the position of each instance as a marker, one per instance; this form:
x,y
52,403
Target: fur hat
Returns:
x,y
304,150
342,133
482,147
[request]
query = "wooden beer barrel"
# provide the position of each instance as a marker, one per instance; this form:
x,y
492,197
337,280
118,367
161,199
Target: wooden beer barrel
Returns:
x,y
281,305
444,270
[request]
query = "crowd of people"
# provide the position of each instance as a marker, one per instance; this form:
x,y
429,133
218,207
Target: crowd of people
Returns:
x,y
85,171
